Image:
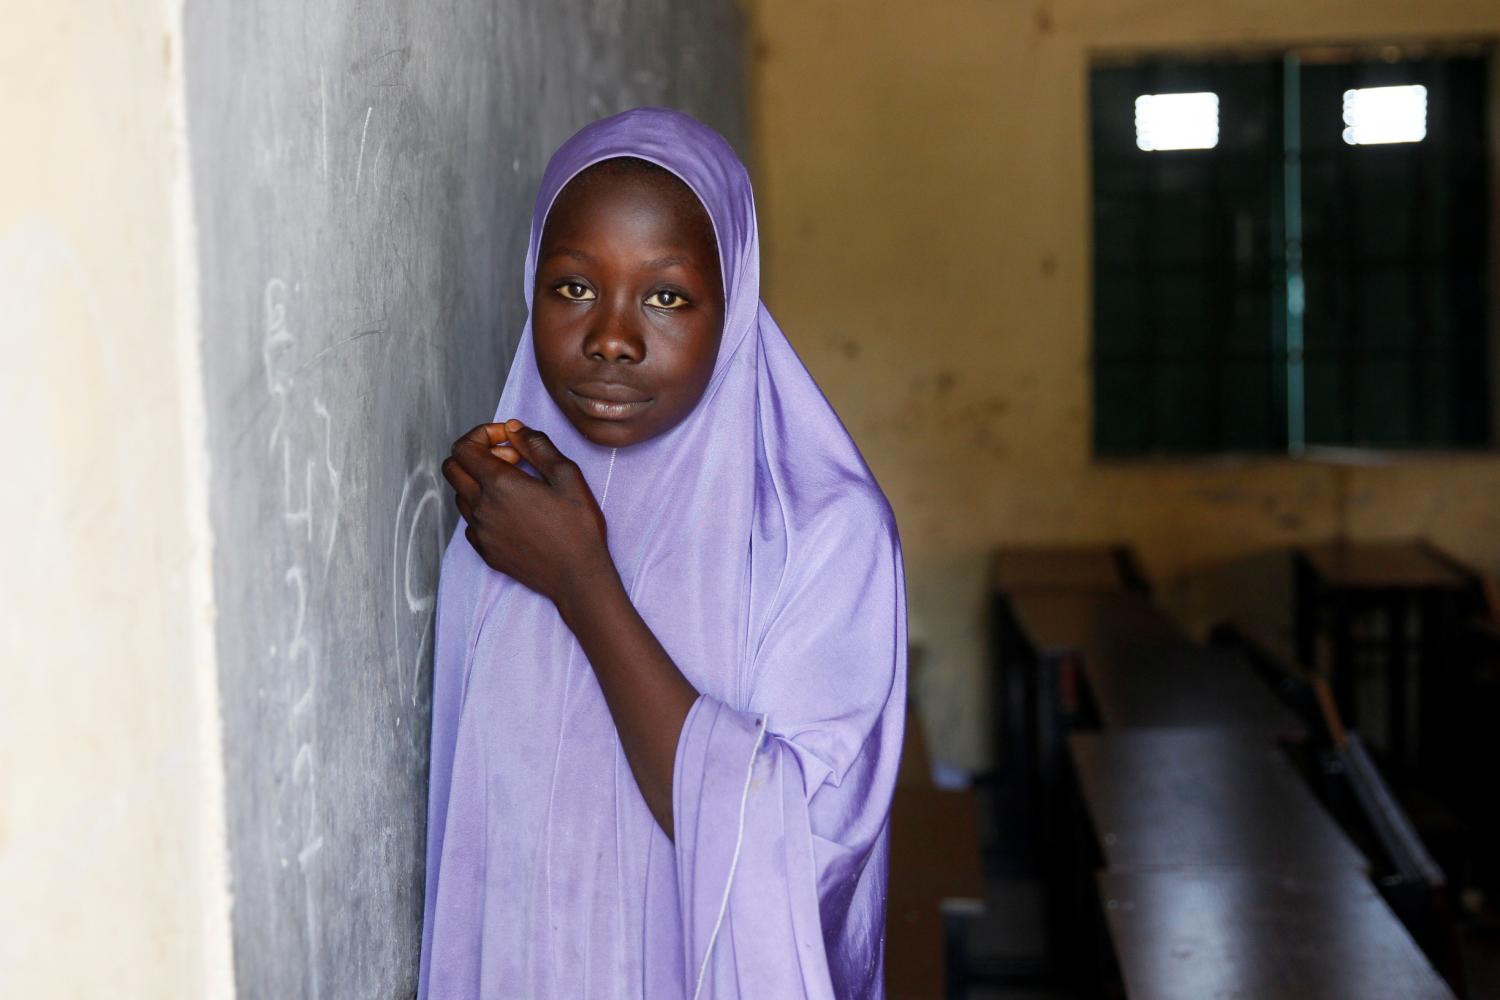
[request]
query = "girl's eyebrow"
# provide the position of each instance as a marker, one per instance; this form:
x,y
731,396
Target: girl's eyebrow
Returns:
x,y
650,265
660,262
568,252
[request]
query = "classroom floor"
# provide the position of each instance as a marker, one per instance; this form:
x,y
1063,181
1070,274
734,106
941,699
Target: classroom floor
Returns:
x,y
1011,932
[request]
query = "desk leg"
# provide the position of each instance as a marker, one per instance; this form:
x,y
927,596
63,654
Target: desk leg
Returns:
x,y
1053,852
1014,767
1304,612
1342,628
1067,864
955,957
1397,676
1435,682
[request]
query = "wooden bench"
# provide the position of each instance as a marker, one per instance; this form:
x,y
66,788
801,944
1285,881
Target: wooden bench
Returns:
x,y
1163,798
1186,686
1187,934
1304,694
1225,877
1060,621
1114,660
1044,640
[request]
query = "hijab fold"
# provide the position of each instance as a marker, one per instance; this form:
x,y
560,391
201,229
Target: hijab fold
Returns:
x,y
758,548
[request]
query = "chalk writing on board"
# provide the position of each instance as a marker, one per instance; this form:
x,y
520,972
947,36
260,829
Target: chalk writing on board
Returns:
x,y
364,133
309,502
416,549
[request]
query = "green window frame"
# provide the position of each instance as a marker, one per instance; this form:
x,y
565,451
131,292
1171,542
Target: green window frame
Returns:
x,y
1285,290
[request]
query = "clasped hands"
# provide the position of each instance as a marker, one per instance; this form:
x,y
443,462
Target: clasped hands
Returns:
x,y
546,531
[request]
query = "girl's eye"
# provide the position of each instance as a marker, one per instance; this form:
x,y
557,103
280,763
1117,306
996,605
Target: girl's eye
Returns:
x,y
575,292
666,300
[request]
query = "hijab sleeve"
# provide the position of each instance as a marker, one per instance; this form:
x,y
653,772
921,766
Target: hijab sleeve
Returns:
x,y
781,808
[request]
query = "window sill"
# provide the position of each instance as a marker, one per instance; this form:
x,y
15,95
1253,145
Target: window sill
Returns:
x,y
1350,457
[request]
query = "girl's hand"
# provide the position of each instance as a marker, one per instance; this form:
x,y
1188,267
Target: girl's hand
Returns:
x,y
546,532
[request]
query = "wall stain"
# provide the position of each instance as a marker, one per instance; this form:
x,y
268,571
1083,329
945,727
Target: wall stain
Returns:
x,y
845,346
932,405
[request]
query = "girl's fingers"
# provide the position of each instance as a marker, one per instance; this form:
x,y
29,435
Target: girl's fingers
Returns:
x,y
538,449
464,485
475,448
506,453
486,434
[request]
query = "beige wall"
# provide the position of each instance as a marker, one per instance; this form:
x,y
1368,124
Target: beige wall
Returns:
x,y
112,878
924,206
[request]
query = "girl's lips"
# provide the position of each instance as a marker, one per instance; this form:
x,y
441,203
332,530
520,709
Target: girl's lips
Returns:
x,y
609,409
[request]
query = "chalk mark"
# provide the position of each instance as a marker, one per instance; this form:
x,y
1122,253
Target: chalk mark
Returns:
x,y
307,853
420,596
323,104
302,765
333,479
363,134
256,413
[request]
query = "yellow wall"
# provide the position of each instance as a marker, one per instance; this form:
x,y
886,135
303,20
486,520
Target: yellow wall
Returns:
x,y
924,207
112,875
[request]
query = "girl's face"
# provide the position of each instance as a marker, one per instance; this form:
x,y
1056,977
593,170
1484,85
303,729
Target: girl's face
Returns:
x,y
629,303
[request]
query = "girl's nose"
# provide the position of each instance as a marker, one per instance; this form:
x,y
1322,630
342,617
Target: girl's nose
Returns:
x,y
614,338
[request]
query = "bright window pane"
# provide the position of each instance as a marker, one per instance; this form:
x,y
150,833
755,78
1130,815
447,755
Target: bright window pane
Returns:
x,y
1176,121
1385,114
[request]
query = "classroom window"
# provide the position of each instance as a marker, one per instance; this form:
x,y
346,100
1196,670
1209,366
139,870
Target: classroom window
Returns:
x,y
1166,122
1375,115
1291,250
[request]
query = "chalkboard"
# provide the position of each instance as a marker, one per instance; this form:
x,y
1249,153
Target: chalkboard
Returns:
x,y
363,175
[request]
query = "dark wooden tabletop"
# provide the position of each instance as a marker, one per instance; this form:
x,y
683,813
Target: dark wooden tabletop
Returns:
x,y
1185,686
1398,565
1163,798
1022,567
1188,934
1083,621
1142,669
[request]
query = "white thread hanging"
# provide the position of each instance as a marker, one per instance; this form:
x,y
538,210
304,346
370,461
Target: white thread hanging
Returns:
x,y
608,476
739,839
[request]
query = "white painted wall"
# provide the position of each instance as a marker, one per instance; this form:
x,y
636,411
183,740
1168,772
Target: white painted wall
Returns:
x,y
112,874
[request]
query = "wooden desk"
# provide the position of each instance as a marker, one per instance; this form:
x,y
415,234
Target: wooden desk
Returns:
x,y
1017,567
1398,565
1051,638
1399,580
934,873
1061,622
1185,686
1165,798
1187,934
1045,637
1140,667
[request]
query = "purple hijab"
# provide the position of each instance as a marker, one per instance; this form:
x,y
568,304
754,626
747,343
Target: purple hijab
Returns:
x,y
757,546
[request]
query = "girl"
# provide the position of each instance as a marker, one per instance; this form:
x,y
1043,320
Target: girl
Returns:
x,y
670,670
